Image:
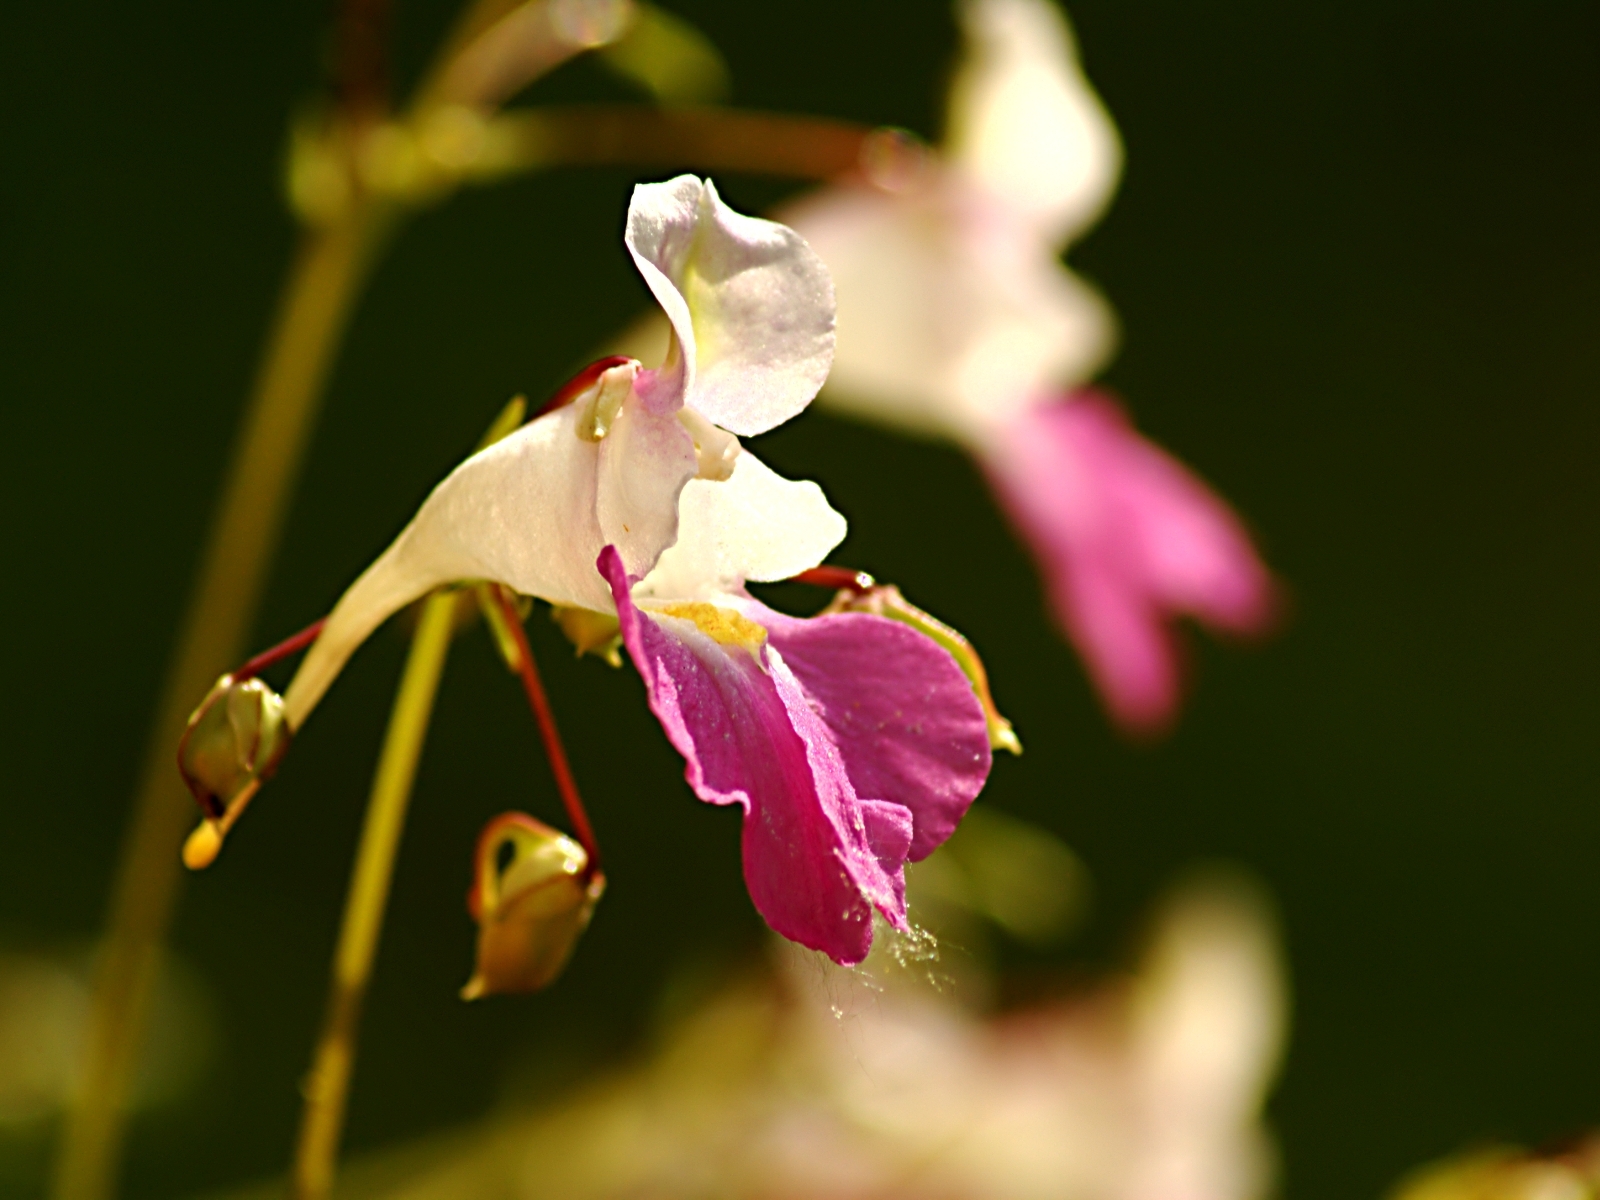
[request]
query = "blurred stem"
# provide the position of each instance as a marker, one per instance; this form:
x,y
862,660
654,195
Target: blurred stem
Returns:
x,y
327,1086
312,313
721,139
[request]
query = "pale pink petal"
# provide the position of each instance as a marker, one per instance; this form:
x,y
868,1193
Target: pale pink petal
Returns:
x,y
952,314
1024,122
903,715
754,525
1128,538
817,859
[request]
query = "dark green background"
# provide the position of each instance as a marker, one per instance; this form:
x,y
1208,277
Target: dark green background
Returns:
x,y
1357,259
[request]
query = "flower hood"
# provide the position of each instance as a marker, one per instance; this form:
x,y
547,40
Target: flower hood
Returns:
x,y
645,460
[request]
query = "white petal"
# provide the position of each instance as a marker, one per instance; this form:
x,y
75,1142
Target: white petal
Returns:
x,y
952,314
756,525
521,512
645,460
660,237
1024,120
750,303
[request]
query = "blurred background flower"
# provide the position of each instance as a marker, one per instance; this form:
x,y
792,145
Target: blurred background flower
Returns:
x,y
793,1077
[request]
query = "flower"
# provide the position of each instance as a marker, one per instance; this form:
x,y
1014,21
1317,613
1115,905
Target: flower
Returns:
x,y
957,319
853,743
1126,535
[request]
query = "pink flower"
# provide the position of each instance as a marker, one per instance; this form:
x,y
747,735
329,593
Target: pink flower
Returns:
x,y
1128,539
957,318
854,743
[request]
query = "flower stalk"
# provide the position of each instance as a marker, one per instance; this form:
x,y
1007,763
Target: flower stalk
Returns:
x,y
327,1085
323,281
539,702
289,646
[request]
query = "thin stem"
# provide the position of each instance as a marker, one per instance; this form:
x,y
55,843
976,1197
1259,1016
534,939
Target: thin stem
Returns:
x,y
363,67
290,645
554,750
324,279
327,1086
838,578
720,139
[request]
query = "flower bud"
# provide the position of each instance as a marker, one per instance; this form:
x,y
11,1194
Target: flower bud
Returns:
x,y
532,896
234,741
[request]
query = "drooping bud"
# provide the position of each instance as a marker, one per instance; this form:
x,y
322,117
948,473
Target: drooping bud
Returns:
x,y
233,743
859,593
532,896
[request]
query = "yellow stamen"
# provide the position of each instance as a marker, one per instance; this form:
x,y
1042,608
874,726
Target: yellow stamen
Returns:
x,y
721,625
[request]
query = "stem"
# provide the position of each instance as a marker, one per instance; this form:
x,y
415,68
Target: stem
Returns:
x,y
554,750
325,277
327,1086
720,139
838,578
363,67
290,645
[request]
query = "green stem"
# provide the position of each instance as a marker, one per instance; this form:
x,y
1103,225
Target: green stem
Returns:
x,y
327,1086
325,277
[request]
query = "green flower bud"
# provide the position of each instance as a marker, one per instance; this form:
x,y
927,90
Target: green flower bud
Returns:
x,y
532,896
233,743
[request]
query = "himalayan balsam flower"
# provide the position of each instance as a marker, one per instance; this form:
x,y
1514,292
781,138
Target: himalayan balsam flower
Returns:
x,y
853,743
957,319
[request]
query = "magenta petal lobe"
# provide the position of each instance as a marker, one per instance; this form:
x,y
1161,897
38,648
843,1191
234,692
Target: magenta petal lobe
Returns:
x,y
905,718
817,859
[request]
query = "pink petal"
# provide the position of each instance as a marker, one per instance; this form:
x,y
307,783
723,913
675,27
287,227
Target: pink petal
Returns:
x,y
1128,539
905,718
817,857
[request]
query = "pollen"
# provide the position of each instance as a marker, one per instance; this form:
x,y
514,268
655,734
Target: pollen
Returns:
x,y
721,625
